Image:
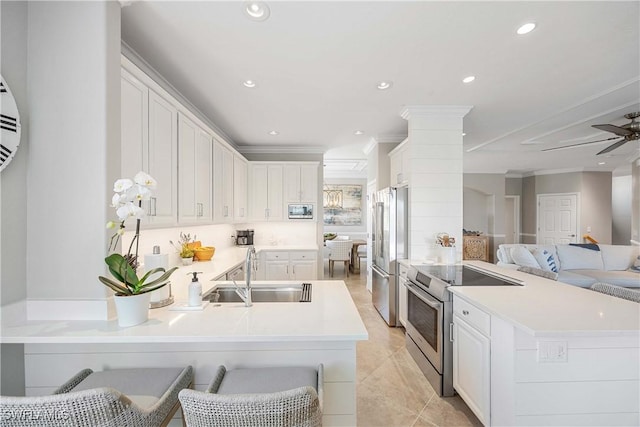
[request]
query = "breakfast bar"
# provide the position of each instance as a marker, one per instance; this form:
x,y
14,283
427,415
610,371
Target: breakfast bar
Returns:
x,y
324,330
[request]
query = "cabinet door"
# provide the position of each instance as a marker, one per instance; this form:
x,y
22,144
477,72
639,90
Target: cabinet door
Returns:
x,y
277,270
222,183
471,368
134,131
204,175
292,192
163,163
303,270
395,168
240,174
309,183
275,197
259,189
187,134
406,165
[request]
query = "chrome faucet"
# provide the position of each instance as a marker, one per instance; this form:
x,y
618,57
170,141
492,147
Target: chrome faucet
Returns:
x,y
245,293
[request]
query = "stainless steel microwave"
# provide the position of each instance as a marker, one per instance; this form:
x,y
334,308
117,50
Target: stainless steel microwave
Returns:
x,y
301,211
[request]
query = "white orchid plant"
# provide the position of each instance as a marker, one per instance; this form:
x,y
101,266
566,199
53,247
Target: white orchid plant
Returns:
x,y
127,200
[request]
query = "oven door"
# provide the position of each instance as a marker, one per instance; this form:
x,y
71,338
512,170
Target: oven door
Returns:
x,y
424,323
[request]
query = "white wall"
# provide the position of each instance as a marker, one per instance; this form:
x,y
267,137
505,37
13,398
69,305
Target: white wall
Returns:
x,y
621,210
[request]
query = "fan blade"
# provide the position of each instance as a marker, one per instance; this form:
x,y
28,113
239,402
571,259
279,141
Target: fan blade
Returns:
x,y
612,147
581,143
614,129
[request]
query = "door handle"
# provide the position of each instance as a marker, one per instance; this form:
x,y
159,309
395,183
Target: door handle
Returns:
x,y
572,235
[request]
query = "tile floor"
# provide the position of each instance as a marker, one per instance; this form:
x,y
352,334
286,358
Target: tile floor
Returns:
x,y
391,389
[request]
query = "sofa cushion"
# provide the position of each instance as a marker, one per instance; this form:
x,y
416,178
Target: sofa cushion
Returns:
x,y
539,272
626,279
577,258
545,259
617,291
618,257
523,257
573,278
635,268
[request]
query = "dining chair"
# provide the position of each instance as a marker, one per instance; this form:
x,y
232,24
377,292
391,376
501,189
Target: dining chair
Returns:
x,y
257,397
137,397
339,250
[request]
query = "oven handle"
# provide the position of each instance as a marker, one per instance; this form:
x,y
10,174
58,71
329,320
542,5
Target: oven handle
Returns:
x,y
424,297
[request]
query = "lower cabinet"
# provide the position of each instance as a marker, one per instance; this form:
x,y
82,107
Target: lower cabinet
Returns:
x,y
284,265
472,358
402,296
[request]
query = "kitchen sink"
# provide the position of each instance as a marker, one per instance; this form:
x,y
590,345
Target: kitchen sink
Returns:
x,y
288,293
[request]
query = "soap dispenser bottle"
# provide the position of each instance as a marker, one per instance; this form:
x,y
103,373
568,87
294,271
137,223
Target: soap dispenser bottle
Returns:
x,y
195,290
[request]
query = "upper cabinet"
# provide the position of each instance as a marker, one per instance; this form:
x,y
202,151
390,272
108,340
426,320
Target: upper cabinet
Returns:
x,y
240,184
301,182
222,183
399,164
149,143
195,172
266,191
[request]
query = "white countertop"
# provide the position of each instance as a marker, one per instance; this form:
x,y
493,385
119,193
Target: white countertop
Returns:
x,y
544,307
330,316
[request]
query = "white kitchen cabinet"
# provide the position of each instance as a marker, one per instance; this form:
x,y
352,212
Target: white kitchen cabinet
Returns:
x,y
399,164
266,201
289,265
240,189
195,172
301,182
149,143
222,183
163,162
402,295
472,358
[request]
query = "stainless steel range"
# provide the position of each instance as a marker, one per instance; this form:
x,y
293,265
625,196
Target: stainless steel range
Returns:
x,y
430,312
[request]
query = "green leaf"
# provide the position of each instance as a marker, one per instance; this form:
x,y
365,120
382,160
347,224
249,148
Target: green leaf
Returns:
x,y
117,287
148,273
161,279
121,270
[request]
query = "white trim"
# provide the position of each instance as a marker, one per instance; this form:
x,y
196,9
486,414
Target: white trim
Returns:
x,y
539,196
69,310
367,148
410,111
528,235
280,149
561,171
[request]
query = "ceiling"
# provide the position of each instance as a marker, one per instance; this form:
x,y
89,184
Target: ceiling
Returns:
x,y
316,66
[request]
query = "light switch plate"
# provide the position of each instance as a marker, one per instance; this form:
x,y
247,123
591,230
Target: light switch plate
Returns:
x,y
552,351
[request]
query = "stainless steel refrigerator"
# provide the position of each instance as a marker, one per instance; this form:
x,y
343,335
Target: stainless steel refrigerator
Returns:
x,y
389,244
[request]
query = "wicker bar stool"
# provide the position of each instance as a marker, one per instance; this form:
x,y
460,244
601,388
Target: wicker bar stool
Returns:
x,y
144,397
259,397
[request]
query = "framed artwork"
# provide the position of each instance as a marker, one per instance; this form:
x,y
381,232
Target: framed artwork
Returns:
x,y
342,204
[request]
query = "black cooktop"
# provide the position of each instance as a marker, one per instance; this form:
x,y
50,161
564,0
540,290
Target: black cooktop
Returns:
x,y
458,275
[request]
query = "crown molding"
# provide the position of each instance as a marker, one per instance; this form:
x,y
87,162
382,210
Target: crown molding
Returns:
x,y
367,148
280,149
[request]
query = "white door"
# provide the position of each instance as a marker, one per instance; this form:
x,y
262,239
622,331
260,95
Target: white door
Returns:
x,y
512,219
187,132
240,179
204,175
303,270
557,218
277,270
309,183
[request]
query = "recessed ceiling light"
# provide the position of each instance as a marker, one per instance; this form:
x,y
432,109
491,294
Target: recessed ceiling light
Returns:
x,y
468,79
602,163
249,83
384,85
359,132
256,10
274,132
526,28
464,134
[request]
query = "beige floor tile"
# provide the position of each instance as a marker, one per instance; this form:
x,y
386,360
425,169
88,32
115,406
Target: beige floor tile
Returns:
x,y
391,390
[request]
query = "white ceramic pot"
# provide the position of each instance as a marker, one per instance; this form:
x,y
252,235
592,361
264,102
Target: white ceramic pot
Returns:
x,y
132,310
187,261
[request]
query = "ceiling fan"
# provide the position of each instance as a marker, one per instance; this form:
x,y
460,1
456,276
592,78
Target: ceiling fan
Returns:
x,y
624,133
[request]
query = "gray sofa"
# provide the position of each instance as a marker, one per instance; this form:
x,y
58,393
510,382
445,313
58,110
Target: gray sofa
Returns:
x,y
583,267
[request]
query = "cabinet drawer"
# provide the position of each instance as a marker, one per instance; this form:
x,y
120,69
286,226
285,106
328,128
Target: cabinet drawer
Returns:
x,y
276,256
472,315
303,256
402,270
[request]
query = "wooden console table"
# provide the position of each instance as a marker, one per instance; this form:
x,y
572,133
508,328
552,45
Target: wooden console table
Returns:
x,y
475,247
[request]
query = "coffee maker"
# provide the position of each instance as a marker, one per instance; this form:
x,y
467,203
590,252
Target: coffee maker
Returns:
x,y
244,237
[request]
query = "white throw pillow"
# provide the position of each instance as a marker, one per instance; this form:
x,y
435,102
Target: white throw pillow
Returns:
x,y
618,257
578,258
523,257
545,259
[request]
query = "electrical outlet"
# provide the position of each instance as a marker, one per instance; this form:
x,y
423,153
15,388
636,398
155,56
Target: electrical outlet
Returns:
x,y
588,229
552,351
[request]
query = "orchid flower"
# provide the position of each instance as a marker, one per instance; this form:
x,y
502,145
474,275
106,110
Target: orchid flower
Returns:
x,y
121,185
138,192
145,180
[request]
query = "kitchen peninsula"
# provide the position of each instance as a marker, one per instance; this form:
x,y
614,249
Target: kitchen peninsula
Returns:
x,y
324,330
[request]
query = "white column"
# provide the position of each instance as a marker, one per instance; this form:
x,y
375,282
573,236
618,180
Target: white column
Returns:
x,y
74,155
435,182
635,201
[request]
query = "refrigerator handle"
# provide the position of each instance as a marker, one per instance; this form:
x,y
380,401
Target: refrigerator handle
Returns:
x,y
379,271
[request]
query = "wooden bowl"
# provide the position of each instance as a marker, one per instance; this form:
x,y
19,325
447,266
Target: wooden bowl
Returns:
x,y
204,253
194,245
